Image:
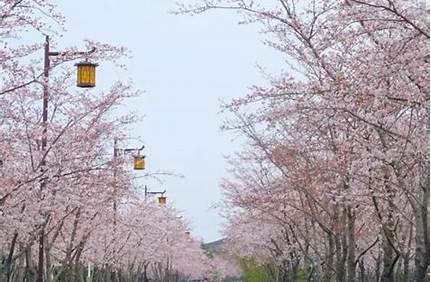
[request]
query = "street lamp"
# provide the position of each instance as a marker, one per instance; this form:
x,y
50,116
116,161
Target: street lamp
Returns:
x,y
86,74
138,162
138,159
91,75
161,199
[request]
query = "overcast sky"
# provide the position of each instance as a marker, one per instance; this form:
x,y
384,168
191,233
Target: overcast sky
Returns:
x,y
184,65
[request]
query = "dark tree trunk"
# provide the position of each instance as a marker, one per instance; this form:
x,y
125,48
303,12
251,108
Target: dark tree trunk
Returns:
x,y
8,264
422,250
351,264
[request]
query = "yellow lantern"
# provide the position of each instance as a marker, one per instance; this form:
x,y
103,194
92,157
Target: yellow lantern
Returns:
x,y
139,162
86,77
162,200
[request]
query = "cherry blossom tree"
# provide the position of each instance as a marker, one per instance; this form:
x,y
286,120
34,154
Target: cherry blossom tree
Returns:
x,y
89,212
342,137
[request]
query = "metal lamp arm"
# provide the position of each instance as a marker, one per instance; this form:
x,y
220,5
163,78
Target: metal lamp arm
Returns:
x,y
53,53
156,192
128,150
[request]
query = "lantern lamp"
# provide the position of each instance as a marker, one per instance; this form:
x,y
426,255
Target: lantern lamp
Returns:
x,y
139,162
86,77
162,200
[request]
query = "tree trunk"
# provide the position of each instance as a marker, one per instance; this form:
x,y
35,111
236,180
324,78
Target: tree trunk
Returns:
x,y
389,252
422,234
48,270
29,271
362,270
378,266
388,256
18,275
386,216
145,272
351,265
328,269
8,265
77,268
339,242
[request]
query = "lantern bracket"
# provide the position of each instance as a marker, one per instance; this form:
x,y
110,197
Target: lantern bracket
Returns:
x,y
139,160
153,192
131,150
156,192
53,53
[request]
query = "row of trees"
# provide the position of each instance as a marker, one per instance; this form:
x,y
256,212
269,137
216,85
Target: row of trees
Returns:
x,y
72,212
333,182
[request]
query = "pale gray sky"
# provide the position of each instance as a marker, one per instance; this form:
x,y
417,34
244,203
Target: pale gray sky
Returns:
x,y
185,65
